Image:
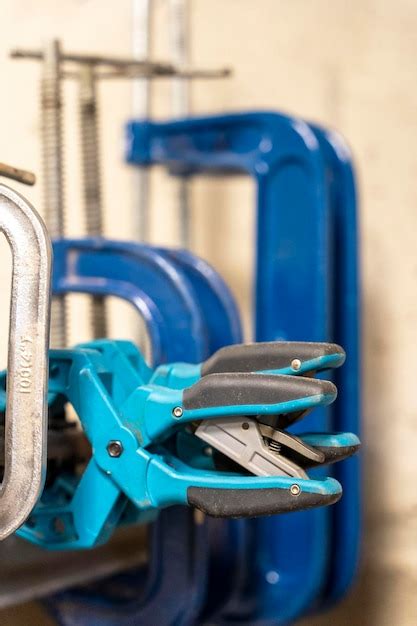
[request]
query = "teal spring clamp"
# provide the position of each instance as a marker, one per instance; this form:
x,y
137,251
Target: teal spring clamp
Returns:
x,y
212,436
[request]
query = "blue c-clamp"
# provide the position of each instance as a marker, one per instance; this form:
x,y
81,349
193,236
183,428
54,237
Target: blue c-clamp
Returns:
x,y
307,235
175,531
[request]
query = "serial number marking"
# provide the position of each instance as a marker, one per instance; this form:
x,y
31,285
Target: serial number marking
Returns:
x,y
25,366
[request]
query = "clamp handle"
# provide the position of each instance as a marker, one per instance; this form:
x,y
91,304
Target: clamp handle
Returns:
x,y
252,394
256,502
169,481
220,395
26,414
299,358
289,357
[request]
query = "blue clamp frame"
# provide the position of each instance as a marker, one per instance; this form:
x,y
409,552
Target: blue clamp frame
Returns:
x,y
190,565
296,261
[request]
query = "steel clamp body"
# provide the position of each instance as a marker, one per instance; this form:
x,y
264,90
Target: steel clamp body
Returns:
x,y
25,415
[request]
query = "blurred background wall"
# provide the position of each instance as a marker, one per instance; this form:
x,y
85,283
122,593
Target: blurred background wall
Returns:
x,y
351,65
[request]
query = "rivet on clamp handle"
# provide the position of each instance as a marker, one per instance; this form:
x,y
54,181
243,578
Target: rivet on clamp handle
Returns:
x,y
26,414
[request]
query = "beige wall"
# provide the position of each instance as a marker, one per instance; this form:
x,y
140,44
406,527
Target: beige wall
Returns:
x,y
350,65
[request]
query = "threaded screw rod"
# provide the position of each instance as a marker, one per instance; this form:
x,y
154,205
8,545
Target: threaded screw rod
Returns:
x,y
53,170
91,178
179,36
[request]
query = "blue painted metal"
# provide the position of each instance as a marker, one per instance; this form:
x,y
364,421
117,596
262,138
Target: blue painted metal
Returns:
x,y
156,580
298,253
347,515
293,275
223,328
147,596
213,296
284,157
175,533
157,288
226,548
353,299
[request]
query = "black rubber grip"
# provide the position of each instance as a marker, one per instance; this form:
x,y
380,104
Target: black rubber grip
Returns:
x,y
252,389
254,502
254,357
331,455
